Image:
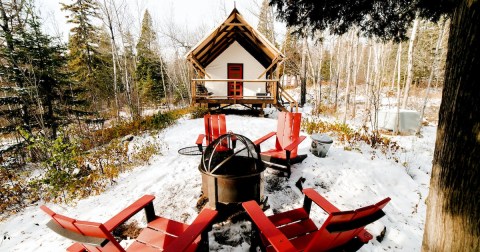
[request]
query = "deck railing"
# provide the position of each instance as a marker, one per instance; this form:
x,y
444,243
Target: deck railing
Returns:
x,y
271,89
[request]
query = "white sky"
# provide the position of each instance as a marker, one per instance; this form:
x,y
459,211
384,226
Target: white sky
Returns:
x,y
190,14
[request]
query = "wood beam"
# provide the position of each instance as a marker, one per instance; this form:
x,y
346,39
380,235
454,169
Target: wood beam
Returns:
x,y
234,24
274,62
199,66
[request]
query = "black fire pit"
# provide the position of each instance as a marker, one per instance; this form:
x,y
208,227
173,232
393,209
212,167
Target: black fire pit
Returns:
x,y
232,171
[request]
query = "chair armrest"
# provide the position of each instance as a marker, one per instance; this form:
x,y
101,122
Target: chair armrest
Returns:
x,y
131,210
295,144
262,139
200,139
276,238
320,200
201,223
76,247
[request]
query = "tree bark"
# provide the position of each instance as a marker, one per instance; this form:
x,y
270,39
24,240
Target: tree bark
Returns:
x,y
356,64
453,203
399,90
109,23
303,74
349,74
411,47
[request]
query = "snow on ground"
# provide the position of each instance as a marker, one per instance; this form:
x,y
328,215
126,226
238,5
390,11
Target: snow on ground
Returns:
x,y
349,179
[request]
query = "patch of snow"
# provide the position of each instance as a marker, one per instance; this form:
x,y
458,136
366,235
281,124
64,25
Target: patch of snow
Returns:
x,y
349,179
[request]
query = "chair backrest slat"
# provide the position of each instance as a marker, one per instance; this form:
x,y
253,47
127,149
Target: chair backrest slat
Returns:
x,y
215,126
288,130
93,236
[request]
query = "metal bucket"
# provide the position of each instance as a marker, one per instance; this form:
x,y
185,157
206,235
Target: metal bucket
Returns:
x,y
320,145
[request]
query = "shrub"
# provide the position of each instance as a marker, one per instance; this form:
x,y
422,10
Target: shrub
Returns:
x,y
14,192
350,136
198,112
76,167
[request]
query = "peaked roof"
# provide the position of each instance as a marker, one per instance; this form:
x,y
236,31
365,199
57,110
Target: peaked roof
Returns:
x,y
234,28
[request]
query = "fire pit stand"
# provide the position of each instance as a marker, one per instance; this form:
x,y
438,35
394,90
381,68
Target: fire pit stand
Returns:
x,y
232,171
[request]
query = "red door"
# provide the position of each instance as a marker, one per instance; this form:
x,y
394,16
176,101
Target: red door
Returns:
x,y
235,71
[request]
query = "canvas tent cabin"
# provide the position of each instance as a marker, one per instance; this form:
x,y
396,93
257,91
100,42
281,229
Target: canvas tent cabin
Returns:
x,y
235,64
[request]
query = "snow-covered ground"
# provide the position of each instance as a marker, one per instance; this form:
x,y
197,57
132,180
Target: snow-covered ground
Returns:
x,y
349,179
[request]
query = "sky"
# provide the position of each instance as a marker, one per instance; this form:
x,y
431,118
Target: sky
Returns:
x,y
190,14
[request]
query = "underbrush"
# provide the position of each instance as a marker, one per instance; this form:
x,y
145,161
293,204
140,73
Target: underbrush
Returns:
x,y
323,109
351,137
73,166
156,122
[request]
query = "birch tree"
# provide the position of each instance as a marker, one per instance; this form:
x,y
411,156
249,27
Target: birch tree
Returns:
x,y
411,47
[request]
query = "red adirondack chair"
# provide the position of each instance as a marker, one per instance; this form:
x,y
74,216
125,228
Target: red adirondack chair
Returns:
x,y
161,234
295,231
287,140
215,126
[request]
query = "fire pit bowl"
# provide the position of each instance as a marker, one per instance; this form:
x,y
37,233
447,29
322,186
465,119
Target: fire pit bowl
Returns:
x,y
232,171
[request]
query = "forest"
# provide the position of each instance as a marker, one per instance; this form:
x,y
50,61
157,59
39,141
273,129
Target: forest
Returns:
x,y
60,100
68,109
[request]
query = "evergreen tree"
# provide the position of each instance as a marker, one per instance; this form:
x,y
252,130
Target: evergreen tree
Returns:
x,y
37,93
151,72
104,70
266,22
14,102
84,60
291,50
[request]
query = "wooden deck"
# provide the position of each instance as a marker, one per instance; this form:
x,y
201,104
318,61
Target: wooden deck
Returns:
x,y
201,95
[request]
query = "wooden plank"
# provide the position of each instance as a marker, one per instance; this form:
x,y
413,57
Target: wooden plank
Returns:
x,y
274,62
288,217
232,101
168,226
243,80
264,138
199,66
128,212
276,238
320,201
201,223
298,228
234,24
76,247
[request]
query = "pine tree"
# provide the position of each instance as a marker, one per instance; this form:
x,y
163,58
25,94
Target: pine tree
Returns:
x,y
84,60
34,79
151,72
266,22
14,101
104,70
292,53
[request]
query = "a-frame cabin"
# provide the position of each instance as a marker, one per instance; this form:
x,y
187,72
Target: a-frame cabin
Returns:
x,y
235,64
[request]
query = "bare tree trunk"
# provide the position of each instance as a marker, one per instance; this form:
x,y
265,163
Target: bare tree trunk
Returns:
x,y
399,90
453,206
319,76
411,47
356,64
432,72
377,83
330,74
303,74
395,67
340,63
349,74
368,85
109,23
